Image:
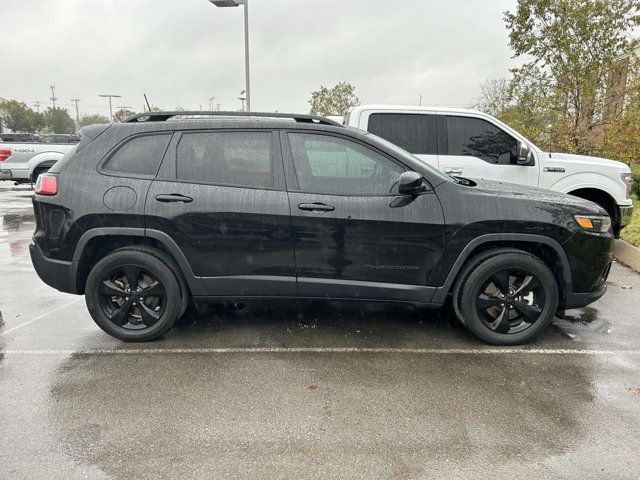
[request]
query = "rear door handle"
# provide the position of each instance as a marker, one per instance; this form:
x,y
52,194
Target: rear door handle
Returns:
x,y
449,171
316,207
173,198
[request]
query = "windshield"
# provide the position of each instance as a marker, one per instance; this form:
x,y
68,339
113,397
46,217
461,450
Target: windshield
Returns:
x,y
401,152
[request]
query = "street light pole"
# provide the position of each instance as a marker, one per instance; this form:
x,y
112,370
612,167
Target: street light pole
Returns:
x,y
110,96
237,3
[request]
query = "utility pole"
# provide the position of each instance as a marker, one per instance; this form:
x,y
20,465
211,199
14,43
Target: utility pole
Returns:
x,y
76,100
420,101
110,96
37,104
211,100
53,95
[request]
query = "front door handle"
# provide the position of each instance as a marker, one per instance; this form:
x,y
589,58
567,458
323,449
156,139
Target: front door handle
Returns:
x,y
452,171
173,198
316,207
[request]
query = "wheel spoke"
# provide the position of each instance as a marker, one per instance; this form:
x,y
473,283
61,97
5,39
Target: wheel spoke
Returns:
x,y
501,280
149,316
501,323
154,290
529,313
120,316
485,301
529,283
132,273
110,289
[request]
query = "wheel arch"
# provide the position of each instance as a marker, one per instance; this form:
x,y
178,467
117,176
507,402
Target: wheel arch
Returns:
x,y
97,242
602,198
545,248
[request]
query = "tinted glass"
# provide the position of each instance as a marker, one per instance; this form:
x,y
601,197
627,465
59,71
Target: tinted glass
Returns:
x,y
140,155
332,165
226,158
415,133
478,138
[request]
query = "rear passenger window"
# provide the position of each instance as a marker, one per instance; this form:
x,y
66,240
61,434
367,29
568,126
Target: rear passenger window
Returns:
x,y
416,133
226,158
139,156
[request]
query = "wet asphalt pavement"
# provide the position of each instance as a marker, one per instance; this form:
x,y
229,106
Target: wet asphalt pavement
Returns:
x,y
309,390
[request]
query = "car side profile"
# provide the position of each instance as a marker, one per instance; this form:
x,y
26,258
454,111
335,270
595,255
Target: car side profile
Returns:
x,y
166,208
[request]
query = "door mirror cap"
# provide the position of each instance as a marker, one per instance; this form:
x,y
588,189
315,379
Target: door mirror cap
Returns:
x,y
411,183
525,155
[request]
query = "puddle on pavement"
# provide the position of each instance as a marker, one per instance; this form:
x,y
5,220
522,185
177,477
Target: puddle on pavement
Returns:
x,y
585,316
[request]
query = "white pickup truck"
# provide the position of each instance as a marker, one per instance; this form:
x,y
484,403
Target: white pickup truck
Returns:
x,y
23,162
472,144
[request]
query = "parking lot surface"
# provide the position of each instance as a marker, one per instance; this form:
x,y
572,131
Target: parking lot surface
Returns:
x,y
309,389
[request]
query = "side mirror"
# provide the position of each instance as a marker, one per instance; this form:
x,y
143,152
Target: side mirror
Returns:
x,y
411,183
525,155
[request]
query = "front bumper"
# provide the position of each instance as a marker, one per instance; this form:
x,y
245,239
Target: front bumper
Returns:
x,y
55,273
579,300
626,212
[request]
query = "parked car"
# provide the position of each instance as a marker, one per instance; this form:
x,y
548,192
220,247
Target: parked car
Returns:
x,y
144,215
60,138
24,162
473,144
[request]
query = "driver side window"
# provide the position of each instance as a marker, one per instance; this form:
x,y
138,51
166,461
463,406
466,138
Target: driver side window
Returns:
x,y
336,166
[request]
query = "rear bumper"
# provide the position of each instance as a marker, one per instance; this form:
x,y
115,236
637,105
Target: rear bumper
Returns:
x,y
625,215
54,273
13,174
6,175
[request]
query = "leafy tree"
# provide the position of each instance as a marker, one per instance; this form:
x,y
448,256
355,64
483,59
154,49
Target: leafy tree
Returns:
x,y
572,48
334,101
122,114
93,118
20,118
58,120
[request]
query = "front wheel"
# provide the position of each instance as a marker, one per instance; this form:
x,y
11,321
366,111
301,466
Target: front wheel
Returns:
x,y
133,295
506,297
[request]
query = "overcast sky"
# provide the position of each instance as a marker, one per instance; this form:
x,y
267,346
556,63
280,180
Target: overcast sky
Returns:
x,y
181,52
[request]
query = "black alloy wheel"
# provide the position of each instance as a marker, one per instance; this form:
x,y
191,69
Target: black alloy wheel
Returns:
x,y
132,298
510,301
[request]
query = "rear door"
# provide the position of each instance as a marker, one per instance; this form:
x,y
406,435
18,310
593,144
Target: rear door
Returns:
x,y
220,197
415,132
354,236
475,148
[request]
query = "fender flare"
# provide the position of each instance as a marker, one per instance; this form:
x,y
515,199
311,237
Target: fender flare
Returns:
x,y
440,295
194,282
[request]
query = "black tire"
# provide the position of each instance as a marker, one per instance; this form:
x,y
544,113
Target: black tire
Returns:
x,y
37,172
136,317
528,303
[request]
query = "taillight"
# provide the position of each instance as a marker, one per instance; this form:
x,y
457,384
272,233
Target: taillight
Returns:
x,y
47,184
5,153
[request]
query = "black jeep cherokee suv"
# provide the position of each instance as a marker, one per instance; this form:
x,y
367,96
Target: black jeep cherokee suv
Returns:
x,y
144,215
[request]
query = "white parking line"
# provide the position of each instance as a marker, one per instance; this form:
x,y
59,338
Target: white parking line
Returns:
x,y
357,350
28,322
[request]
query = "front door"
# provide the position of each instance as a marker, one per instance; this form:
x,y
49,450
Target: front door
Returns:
x,y
220,197
475,148
354,236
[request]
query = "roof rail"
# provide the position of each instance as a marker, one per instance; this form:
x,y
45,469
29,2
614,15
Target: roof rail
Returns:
x,y
164,116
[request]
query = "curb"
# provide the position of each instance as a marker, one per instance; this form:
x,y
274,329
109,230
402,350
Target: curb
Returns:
x,y
627,255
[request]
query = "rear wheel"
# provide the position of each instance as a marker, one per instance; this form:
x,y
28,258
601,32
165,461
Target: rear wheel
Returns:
x,y
133,295
506,297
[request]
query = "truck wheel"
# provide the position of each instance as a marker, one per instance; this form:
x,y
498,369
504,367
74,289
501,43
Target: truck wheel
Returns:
x,y
37,172
506,296
133,295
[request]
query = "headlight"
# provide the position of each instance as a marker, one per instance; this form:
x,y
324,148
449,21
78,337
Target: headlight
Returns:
x,y
627,178
594,223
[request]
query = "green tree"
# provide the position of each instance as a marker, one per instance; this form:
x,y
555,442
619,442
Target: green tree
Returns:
x,y
334,101
20,118
93,118
572,48
122,114
58,120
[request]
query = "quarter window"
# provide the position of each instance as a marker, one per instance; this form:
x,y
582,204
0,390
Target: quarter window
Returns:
x,y
336,166
475,137
416,133
226,158
140,155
